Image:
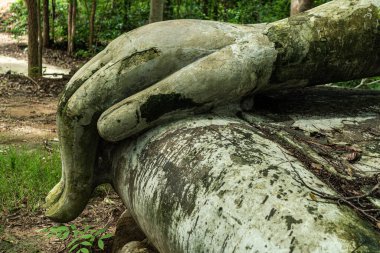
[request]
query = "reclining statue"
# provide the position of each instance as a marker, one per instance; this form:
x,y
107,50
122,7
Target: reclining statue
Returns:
x,y
172,70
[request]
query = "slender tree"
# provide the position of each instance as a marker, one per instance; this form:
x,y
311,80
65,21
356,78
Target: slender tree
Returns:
x,y
92,25
156,11
298,6
71,26
34,67
40,39
53,17
46,24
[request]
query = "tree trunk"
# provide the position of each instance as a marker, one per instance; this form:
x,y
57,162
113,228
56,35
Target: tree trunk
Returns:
x,y
34,69
40,39
256,183
156,11
46,26
69,23
298,6
53,15
92,25
72,11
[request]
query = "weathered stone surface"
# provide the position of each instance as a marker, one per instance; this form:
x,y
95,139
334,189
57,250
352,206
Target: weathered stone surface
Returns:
x,y
229,190
194,67
218,184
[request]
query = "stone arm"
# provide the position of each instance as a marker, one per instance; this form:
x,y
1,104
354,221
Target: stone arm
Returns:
x,y
167,70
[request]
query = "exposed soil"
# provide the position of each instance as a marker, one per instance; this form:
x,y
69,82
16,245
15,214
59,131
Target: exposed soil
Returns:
x,y
27,115
27,109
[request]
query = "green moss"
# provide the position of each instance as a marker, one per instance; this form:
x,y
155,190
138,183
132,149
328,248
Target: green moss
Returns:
x,y
325,48
360,232
138,58
290,220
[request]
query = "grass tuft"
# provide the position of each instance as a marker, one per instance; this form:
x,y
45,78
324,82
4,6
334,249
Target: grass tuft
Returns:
x,y
26,176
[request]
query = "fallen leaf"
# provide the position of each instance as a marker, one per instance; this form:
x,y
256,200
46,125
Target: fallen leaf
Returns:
x,y
353,156
312,196
316,166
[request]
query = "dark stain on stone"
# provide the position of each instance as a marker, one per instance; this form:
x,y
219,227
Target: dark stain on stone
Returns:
x,y
271,213
311,209
290,220
239,202
160,104
137,116
265,172
139,57
265,199
220,211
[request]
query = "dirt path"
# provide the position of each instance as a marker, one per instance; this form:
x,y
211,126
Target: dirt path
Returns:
x,y
27,119
27,108
13,58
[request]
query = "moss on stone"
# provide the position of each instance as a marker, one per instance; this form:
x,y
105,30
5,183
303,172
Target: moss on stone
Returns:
x,y
158,105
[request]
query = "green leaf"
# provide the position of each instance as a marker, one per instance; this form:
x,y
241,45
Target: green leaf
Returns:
x,y
60,229
87,228
44,230
73,227
91,231
101,244
84,250
86,236
100,231
65,235
72,243
106,236
74,247
77,233
86,243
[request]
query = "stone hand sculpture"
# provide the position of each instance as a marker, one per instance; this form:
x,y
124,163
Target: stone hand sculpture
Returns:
x,y
168,70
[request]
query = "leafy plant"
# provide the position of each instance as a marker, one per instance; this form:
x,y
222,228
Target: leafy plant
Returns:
x,y
76,240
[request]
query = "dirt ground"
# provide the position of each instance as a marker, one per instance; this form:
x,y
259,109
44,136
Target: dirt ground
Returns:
x,y
27,110
27,116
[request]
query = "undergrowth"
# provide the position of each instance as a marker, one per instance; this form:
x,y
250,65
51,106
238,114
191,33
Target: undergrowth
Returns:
x,y
26,176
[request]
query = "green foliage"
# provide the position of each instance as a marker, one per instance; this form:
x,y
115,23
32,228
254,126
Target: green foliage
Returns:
x,y
26,176
369,83
77,240
17,20
118,16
